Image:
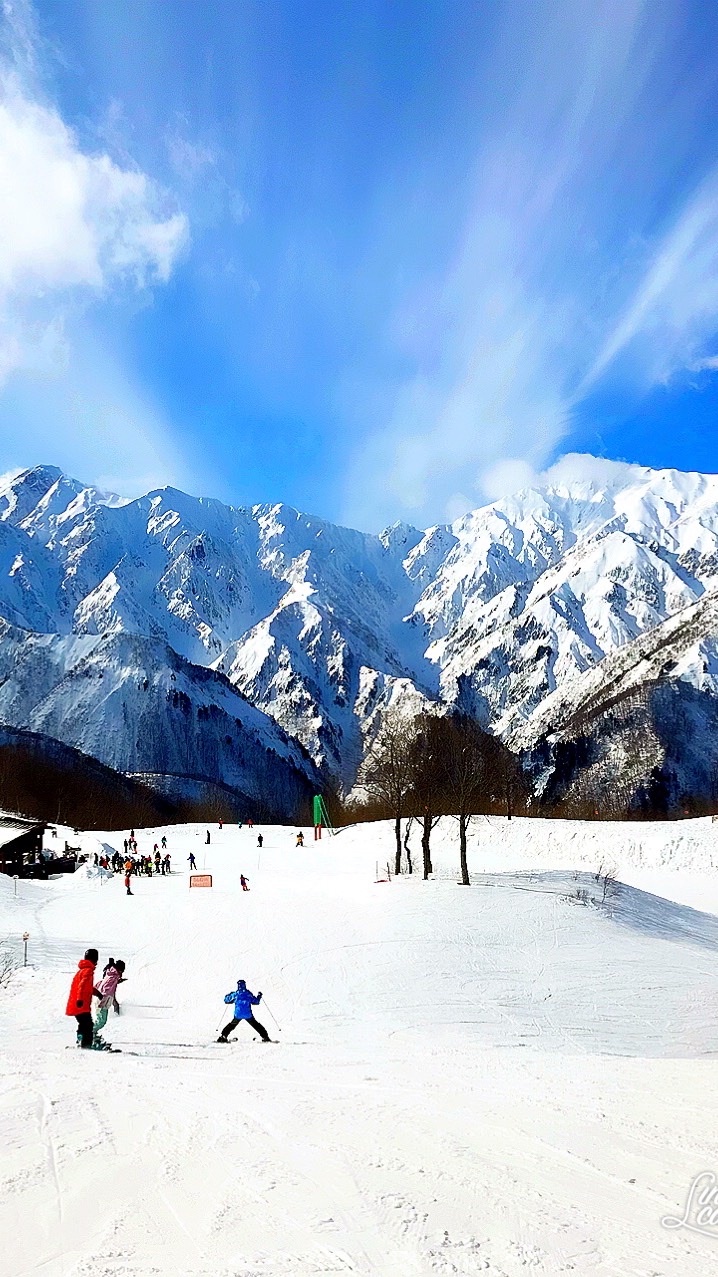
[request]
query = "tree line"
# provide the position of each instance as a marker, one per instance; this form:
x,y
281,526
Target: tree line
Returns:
x,y
432,766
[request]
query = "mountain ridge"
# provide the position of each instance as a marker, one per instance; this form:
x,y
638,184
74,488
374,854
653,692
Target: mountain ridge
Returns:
x,y
322,628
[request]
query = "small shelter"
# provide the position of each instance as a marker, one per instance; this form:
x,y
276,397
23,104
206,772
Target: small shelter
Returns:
x,y
21,847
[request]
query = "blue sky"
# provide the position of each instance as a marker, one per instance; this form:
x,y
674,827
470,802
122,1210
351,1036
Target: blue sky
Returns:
x,y
379,261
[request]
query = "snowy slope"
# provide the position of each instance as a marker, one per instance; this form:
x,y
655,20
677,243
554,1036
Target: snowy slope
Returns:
x,y
138,707
321,627
488,1080
684,647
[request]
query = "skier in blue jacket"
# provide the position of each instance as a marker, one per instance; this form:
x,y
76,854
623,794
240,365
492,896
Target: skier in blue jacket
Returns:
x,y
243,1002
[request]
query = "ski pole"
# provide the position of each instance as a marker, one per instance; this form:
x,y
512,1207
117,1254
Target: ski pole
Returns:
x,y
219,1026
279,1028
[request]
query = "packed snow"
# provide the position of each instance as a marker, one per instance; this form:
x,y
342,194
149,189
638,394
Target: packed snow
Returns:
x,y
498,1079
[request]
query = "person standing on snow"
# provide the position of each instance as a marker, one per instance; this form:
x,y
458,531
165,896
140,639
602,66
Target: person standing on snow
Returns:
x,y
245,882
192,861
260,841
300,839
243,1002
207,838
106,990
79,1002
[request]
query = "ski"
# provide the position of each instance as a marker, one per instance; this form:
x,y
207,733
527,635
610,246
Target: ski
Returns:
x,y
98,1050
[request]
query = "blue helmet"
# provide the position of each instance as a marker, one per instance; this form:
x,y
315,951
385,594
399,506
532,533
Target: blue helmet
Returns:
x,y
241,984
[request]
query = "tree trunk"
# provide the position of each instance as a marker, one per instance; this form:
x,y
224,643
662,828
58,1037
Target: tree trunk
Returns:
x,y
397,834
463,823
407,849
426,845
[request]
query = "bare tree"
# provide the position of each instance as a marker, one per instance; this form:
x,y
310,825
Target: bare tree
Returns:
x,y
387,770
8,964
427,780
508,784
407,848
463,763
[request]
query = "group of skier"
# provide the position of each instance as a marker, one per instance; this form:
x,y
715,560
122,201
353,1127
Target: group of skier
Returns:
x,y
83,989
89,1030
146,866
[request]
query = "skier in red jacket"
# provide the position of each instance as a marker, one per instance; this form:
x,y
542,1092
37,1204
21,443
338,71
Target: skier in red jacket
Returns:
x,y
79,1002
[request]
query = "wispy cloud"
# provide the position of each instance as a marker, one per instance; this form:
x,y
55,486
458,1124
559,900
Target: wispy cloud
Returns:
x,y
558,270
674,309
95,419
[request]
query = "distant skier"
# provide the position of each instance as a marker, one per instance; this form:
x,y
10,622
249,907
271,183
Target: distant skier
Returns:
x,y
164,842
130,892
300,839
243,1002
207,838
244,881
192,861
260,841
79,1002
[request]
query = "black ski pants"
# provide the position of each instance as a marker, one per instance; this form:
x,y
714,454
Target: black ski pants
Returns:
x,y
85,1028
258,1028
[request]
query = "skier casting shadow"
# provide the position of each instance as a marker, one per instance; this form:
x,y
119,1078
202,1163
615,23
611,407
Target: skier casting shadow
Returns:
x,y
243,1002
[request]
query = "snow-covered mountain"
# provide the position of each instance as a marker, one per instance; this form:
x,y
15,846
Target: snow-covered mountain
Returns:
x,y
504,613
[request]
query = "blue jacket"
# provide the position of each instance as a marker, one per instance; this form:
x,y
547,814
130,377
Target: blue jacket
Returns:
x,y
243,1002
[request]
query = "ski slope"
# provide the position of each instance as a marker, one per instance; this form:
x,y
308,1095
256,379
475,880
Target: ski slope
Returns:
x,y
487,1080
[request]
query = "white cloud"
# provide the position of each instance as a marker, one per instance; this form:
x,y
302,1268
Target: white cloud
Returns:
x,y
72,225
707,364
506,477
9,476
581,468
77,228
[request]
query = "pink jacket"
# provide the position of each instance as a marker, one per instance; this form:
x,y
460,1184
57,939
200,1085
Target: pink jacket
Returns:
x,y
109,983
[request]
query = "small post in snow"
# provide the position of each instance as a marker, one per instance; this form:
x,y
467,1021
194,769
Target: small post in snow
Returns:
x,y
25,937
15,877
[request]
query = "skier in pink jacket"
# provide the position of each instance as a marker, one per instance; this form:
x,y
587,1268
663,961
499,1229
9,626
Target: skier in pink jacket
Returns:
x,y
107,989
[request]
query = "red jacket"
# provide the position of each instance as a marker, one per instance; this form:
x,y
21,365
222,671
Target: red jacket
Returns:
x,y
81,989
